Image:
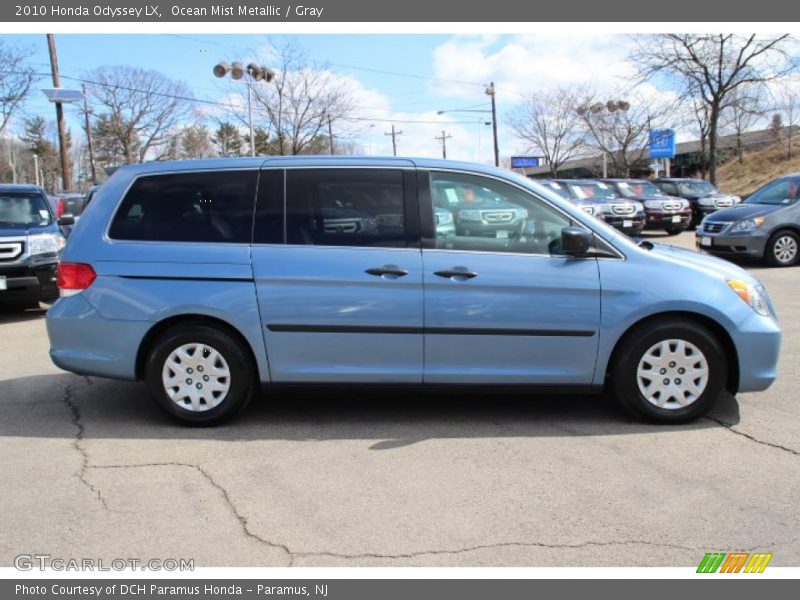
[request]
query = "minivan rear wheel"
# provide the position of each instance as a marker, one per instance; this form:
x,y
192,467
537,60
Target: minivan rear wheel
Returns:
x,y
199,374
783,249
669,371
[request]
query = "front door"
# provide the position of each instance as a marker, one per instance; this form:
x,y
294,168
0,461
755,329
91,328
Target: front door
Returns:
x,y
501,304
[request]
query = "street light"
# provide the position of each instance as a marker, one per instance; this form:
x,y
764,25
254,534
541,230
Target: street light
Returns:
x,y
596,110
255,72
493,122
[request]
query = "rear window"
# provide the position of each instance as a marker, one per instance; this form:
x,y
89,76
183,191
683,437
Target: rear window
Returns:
x,y
210,206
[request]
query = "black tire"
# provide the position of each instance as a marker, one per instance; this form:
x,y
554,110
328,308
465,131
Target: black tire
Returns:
x,y
674,230
635,345
242,382
771,253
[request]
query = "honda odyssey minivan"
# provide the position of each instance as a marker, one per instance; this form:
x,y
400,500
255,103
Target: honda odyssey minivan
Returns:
x,y
209,278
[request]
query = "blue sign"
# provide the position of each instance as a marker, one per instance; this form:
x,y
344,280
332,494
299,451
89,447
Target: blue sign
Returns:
x,y
662,143
520,162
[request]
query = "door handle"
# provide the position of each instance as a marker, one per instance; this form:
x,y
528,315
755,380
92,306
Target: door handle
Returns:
x,y
456,272
387,270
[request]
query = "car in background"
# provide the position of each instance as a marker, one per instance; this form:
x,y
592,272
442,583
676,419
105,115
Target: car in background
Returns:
x,y
477,212
626,215
765,226
68,203
563,191
669,213
30,246
702,195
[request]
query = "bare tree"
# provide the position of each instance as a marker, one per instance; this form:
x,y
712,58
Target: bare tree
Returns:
x,y
137,109
744,108
301,101
16,80
549,123
712,67
195,142
699,125
788,99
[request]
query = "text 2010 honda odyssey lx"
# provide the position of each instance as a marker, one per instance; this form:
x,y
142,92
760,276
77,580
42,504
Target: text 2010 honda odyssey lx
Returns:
x,y
208,278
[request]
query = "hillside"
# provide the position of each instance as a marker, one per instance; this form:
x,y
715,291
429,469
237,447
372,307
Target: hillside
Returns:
x,y
760,166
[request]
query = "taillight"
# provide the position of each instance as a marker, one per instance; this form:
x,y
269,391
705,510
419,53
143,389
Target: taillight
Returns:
x,y
60,208
74,278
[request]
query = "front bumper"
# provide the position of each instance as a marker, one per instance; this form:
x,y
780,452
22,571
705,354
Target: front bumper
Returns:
x,y
660,219
750,244
626,224
483,229
29,281
758,342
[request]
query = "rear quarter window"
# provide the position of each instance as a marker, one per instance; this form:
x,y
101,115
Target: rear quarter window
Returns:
x,y
209,206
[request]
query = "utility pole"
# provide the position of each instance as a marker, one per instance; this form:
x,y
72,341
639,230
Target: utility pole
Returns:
x,y
444,137
89,135
394,135
36,167
66,179
330,134
491,93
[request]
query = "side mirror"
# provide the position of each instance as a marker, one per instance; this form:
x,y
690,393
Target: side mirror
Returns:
x,y
575,241
66,220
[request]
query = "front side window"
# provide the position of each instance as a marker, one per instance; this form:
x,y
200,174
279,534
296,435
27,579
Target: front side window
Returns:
x,y
346,207
20,210
188,207
476,213
781,192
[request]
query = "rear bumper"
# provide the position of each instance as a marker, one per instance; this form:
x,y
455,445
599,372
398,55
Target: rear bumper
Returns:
x,y
84,342
29,283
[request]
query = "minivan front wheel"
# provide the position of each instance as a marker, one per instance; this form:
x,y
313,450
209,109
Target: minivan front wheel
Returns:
x,y
199,374
783,249
669,370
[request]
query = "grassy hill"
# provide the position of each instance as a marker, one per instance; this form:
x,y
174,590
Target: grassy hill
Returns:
x,y
758,167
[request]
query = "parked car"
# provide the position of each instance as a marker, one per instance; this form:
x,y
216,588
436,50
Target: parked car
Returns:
x,y
626,215
765,226
667,213
702,195
30,244
207,278
563,191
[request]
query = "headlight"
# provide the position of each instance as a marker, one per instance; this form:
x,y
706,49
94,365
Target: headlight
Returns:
x,y
736,199
706,202
753,295
445,218
747,225
639,208
588,208
521,213
653,204
45,243
469,215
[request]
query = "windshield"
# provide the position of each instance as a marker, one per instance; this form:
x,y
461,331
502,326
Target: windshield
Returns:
x,y
696,188
781,192
557,188
23,209
629,189
592,189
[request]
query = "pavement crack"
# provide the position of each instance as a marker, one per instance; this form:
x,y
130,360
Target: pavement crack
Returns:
x,y
243,523
77,441
754,439
421,553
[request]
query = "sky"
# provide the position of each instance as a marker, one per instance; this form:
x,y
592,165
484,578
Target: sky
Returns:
x,y
402,79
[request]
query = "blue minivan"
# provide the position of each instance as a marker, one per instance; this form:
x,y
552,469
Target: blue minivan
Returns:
x,y
209,278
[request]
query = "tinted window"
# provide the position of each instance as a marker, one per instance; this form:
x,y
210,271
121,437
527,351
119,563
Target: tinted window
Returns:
x,y
346,207
668,188
188,207
268,228
486,215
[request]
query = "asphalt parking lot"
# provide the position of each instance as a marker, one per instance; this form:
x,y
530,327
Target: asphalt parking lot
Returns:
x,y
91,468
